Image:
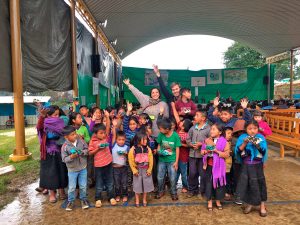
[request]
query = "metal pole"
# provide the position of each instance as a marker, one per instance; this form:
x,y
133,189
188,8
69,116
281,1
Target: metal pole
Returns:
x,y
73,39
20,152
269,83
291,74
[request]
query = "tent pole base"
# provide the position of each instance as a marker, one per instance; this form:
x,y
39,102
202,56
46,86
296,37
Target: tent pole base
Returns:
x,y
19,158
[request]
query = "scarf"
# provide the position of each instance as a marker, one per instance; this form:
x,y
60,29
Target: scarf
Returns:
x,y
153,101
54,125
219,165
251,148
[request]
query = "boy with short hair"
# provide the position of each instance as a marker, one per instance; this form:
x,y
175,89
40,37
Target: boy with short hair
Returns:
x,y
74,153
226,118
185,107
196,136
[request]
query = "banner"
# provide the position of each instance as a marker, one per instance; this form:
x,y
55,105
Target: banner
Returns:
x,y
95,86
214,76
151,78
198,82
235,76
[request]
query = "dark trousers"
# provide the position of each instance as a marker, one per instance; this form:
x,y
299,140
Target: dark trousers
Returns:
x,y
196,170
104,178
235,176
120,180
211,192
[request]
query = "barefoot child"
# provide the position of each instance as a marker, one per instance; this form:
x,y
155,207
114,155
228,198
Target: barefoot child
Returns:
x,y
252,151
141,163
74,153
215,150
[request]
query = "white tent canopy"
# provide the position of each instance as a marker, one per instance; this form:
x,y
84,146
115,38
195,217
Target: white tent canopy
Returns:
x,y
269,26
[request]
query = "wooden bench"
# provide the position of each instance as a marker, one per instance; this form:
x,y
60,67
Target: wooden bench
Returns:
x,y
285,132
282,112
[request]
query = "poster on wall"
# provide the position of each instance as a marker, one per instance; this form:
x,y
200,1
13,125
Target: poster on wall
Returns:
x,y
151,78
198,82
95,86
235,76
214,76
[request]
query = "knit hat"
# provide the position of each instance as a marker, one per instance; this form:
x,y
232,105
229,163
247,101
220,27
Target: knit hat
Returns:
x,y
239,126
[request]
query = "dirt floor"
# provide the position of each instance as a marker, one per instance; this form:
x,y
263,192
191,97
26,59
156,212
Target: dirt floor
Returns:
x,y
283,182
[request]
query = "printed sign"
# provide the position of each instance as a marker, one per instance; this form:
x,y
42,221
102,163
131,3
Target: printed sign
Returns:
x,y
95,86
214,76
151,78
235,76
198,82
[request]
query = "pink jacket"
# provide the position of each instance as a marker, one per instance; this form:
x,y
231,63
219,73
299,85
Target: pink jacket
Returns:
x,y
265,130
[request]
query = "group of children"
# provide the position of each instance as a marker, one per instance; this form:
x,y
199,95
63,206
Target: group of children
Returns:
x,y
215,154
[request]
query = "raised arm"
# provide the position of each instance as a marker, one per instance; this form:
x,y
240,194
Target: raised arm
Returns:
x,y
163,88
175,113
210,116
247,115
141,97
108,124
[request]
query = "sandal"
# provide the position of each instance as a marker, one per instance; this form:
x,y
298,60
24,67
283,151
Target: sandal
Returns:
x,y
219,207
210,209
137,205
118,198
39,189
263,214
45,192
63,197
145,204
247,209
125,199
53,200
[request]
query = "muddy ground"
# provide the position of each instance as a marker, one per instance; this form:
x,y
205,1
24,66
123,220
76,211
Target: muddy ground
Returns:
x,y
283,182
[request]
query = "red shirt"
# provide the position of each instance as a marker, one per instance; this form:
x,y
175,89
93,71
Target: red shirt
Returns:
x,y
183,151
103,157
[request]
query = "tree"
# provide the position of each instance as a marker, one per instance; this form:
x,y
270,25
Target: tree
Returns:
x,y
239,55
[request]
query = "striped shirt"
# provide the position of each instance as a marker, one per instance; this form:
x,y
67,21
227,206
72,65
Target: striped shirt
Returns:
x,y
103,157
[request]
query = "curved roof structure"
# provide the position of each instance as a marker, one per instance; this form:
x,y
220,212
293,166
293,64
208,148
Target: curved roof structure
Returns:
x,y
269,26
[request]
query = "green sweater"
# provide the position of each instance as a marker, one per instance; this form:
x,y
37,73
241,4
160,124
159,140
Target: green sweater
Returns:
x,y
83,131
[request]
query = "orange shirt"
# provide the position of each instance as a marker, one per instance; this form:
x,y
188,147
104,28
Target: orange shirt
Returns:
x,y
103,157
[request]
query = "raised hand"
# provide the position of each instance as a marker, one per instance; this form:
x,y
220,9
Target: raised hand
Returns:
x,y
106,113
216,101
156,70
129,107
244,103
126,81
43,112
115,122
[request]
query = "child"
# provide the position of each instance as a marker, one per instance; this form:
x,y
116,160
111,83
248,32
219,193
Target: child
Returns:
x,y
141,163
252,151
120,170
264,128
183,128
196,136
75,119
228,136
97,117
226,118
130,125
99,147
185,107
168,151
74,153
214,151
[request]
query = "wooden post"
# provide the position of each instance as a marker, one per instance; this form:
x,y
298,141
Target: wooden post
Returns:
x,y
291,74
74,59
20,152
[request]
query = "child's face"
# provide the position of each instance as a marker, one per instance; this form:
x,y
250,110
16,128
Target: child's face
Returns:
x,y
199,118
120,140
225,116
112,114
252,130
257,118
101,134
78,120
84,111
55,114
187,94
214,132
132,125
163,131
173,126
144,141
142,120
98,114
121,113
71,137
228,134
149,131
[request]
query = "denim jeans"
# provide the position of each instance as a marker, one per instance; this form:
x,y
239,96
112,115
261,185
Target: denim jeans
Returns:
x,y
82,182
182,169
163,167
104,178
120,180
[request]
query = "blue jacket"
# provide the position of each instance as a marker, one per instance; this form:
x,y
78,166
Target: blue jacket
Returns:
x,y
129,133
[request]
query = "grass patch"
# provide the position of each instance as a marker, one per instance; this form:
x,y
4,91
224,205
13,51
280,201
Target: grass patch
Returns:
x,y
26,171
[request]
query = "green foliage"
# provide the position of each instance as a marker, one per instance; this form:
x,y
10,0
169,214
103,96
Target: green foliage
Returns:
x,y
239,55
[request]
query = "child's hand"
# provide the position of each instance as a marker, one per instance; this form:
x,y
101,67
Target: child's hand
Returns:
x,y
43,112
216,101
156,70
126,81
115,122
94,117
209,141
148,173
154,151
136,174
129,107
203,152
175,165
106,113
244,103
195,145
74,156
161,110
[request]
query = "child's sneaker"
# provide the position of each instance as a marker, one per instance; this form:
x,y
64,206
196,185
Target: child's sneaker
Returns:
x,y
70,206
113,201
98,204
84,204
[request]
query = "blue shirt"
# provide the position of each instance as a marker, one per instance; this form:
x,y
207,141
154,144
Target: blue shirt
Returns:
x,y
118,158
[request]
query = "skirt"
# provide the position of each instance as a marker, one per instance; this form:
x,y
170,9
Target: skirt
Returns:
x,y
252,186
53,172
142,183
210,191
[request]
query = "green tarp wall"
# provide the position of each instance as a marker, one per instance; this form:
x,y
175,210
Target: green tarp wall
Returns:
x,y
255,88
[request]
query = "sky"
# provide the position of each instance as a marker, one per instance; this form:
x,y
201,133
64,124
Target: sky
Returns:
x,y
193,52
